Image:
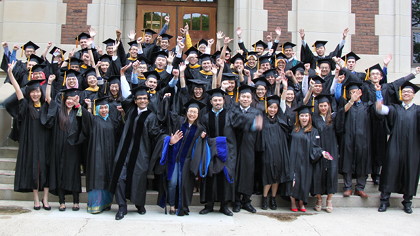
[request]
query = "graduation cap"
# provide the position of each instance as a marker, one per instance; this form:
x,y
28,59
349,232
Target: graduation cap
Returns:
x,y
202,41
72,73
303,109
81,36
152,74
261,81
353,85
166,36
109,42
229,76
324,98
71,92
260,43
54,49
317,79
319,43
35,58
133,43
149,31
216,55
30,45
143,60
160,54
325,60
105,58
287,45
350,55
205,57
251,54
89,72
374,67
34,84
410,85
74,61
263,59
140,90
217,92
298,67
270,72
237,56
192,50
114,79
192,103
198,83
273,99
37,68
280,56
99,102
246,89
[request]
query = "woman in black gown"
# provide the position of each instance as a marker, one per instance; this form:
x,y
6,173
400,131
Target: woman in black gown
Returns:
x,y
31,174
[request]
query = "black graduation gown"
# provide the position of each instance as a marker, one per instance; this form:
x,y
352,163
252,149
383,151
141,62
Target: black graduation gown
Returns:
x,y
275,156
246,139
140,134
307,56
101,138
356,140
401,167
216,187
325,172
31,171
304,151
65,151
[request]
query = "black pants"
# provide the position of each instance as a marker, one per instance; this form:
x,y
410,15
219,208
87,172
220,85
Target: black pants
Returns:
x,y
406,202
241,201
360,182
62,197
120,191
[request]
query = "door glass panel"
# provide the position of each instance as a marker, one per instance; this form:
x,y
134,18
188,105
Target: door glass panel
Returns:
x,y
196,21
205,22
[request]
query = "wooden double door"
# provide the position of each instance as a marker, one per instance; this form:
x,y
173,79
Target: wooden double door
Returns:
x,y
198,14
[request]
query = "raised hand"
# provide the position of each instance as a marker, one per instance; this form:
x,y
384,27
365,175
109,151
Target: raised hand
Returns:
x,y
51,78
49,44
171,57
167,19
118,33
220,35
131,35
278,30
387,59
239,32
302,34
92,32
345,33
182,67
175,72
4,44
176,137
124,68
227,40
210,42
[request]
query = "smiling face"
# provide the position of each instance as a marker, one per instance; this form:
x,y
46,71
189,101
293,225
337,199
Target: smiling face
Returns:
x,y
217,103
192,114
71,82
35,95
261,91
407,95
92,81
304,119
272,109
206,65
83,43
164,44
151,83
29,52
193,59
114,88
198,92
142,101
160,63
103,110
325,69
252,61
133,51
290,96
375,76
323,108
288,52
245,99
70,101
104,66
320,50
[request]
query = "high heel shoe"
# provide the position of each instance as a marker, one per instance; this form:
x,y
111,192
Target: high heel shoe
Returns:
x,y
47,208
37,208
329,207
318,205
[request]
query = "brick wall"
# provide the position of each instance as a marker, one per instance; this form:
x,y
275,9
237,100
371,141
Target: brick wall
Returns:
x,y
278,16
76,20
364,41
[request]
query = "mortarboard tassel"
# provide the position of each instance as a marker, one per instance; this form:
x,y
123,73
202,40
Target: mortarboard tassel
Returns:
x,y
237,94
282,48
255,47
62,55
94,107
345,60
30,73
345,93
68,66
65,77
77,41
367,74
258,64
313,104
21,52
400,94
265,105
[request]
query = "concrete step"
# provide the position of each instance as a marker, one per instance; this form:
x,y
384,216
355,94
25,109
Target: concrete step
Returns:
x,y
7,176
7,193
8,152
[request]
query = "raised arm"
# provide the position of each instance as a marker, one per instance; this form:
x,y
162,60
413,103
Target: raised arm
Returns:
x,y
51,79
15,84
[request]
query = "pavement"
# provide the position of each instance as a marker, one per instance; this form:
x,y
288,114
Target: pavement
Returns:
x,y
18,218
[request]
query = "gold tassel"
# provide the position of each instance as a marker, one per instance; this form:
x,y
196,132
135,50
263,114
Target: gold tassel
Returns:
x,y
258,64
313,104
265,105
77,41
68,66
30,73
367,74
345,60
345,93
282,48
62,55
21,52
237,94
94,107
255,47
400,93
65,76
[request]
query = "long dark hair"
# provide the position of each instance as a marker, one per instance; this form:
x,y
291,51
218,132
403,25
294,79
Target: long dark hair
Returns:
x,y
33,112
63,116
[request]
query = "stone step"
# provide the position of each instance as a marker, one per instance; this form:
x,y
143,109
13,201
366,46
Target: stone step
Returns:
x,y
7,176
7,163
7,193
8,152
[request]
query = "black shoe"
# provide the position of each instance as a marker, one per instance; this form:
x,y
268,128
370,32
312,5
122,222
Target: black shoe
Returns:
x,y
120,214
45,208
236,208
172,212
273,203
248,207
407,209
206,211
264,204
376,180
225,210
383,207
37,208
141,210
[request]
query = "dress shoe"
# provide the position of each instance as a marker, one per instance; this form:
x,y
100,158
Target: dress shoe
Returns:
x,y
236,208
120,214
273,203
302,209
264,204
294,209
383,207
361,193
376,180
37,208
172,212
141,210
407,209
47,208
205,211
225,210
248,207
347,193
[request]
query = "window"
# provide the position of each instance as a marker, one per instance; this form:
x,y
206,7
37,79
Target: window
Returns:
x,y
197,21
415,30
154,20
